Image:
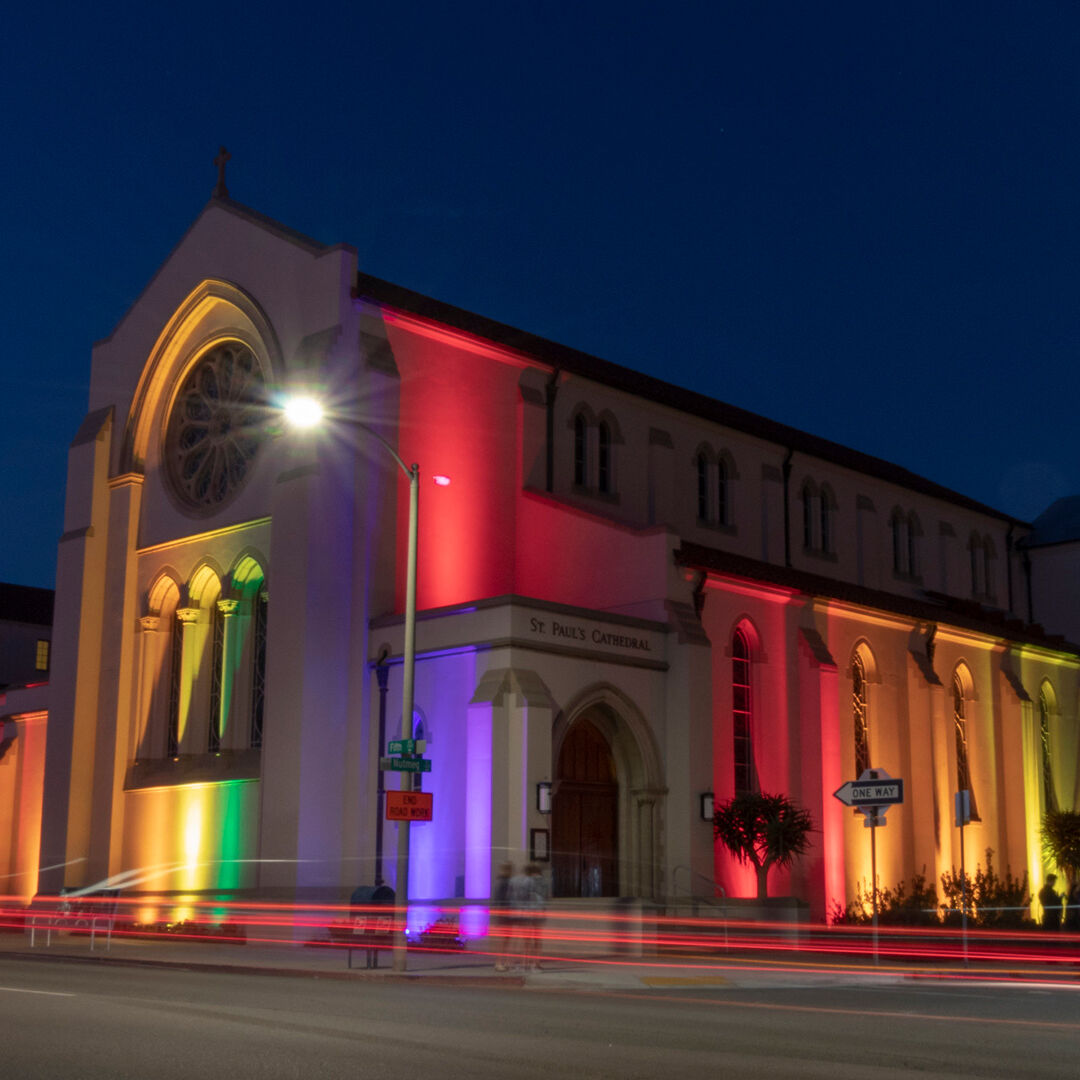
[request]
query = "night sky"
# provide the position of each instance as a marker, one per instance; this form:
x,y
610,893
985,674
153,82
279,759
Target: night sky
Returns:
x,y
859,219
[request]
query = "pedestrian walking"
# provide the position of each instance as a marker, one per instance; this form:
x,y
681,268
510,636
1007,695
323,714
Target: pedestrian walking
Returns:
x,y
1051,904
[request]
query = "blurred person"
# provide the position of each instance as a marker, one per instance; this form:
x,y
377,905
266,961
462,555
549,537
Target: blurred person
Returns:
x,y
1051,904
528,898
500,921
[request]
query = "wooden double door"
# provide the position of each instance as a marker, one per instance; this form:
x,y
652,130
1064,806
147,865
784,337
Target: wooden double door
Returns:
x,y
585,816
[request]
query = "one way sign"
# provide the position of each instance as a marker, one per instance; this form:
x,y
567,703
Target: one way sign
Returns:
x,y
878,790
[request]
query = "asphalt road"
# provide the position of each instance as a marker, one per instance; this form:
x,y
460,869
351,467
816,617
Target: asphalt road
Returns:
x,y
90,1021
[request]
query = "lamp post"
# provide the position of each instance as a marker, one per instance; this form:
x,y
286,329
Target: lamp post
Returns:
x,y
303,412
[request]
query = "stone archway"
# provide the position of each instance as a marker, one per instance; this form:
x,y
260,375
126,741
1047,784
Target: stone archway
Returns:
x,y
607,800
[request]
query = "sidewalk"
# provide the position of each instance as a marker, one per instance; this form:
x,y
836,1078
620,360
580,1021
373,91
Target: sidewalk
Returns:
x,y
472,967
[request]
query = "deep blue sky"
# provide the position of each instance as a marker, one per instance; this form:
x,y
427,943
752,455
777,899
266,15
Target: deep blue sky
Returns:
x,y
860,219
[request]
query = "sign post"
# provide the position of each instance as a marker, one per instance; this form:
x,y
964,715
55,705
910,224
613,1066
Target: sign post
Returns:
x,y
872,795
963,817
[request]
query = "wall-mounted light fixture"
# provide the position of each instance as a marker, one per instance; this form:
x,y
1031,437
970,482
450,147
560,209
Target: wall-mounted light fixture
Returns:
x,y
543,796
707,801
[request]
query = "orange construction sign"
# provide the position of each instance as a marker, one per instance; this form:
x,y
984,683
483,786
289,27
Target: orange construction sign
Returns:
x,y
409,805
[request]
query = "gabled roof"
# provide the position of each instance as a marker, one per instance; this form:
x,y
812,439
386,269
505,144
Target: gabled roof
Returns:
x,y
553,354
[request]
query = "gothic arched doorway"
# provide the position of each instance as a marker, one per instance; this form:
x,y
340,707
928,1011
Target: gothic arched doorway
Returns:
x,y
585,815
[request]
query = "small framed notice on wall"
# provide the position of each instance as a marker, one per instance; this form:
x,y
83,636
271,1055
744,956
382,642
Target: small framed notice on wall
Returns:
x,y
539,845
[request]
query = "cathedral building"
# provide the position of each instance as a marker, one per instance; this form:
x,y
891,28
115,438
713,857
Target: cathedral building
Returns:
x,y
632,600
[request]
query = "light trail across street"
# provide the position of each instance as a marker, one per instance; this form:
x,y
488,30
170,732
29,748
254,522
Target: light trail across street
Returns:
x,y
73,1019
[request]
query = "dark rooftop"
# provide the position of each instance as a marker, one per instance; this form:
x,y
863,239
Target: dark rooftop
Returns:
x,y
26,604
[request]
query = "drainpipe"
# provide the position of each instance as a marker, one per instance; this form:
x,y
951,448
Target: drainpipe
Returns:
x,y
787,505
1008,565
550,391
382,673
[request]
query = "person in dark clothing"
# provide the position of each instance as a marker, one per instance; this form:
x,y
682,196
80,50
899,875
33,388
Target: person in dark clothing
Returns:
x,y
499,926
1051,904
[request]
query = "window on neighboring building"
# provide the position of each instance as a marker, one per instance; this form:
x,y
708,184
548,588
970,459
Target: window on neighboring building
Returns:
x,y
988,566
859,716
960,729
742,715
1049,798
913,533
899,541
41,657
603,459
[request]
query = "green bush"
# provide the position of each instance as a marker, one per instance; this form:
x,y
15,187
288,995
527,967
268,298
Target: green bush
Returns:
x,y
899,906
992,901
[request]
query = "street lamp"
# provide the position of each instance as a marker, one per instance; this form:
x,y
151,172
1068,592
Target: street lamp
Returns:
x,y
307,412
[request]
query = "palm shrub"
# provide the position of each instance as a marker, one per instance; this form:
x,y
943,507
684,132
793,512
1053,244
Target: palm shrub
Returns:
x,y
1061,841
763,830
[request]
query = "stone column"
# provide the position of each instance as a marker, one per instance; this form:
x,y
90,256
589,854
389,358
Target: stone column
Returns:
x,y
231,650
190,652
146,696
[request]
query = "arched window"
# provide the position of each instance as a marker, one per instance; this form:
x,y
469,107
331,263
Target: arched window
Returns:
x,y
914,531
581,435
1045,710
977,566
723,515
809,498
258,669
176,666
742,714
988,566
859,717
702,487
217,678
603,459
899,541
825,511
960,730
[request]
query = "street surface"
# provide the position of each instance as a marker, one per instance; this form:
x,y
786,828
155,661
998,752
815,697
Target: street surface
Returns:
x,y
73,1019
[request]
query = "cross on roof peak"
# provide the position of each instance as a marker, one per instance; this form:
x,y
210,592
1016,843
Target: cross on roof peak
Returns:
x,y
221,191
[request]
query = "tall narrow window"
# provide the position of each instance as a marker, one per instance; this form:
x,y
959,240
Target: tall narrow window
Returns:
x,y
217,674
176,661
988,567
963,768
808,517
825,511
258,672
1049,798
859,715
899,542
702,488
603,458
912,553
41,655
741,713
581,434
723,514
976,560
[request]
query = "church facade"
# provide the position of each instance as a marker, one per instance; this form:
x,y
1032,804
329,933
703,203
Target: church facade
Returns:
x,y
633,600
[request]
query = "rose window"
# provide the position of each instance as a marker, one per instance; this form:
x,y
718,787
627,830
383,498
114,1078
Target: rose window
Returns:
x,y
216,425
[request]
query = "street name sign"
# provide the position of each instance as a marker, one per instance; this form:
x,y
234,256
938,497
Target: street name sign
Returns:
x,y
406,746
409,805
393,764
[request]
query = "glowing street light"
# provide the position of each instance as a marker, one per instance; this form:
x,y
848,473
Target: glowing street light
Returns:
x,y
307,412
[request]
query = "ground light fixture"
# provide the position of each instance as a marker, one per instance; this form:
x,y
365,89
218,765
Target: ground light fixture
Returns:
x,y
306,412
